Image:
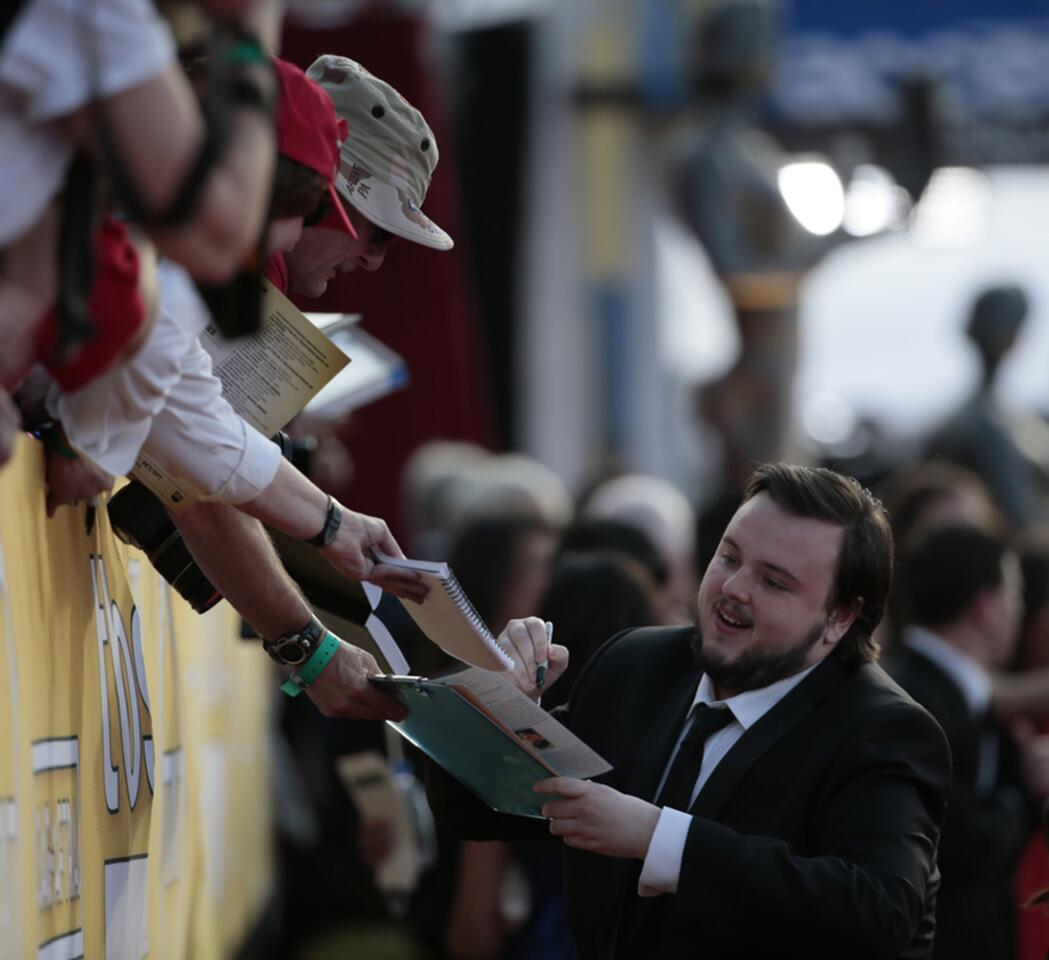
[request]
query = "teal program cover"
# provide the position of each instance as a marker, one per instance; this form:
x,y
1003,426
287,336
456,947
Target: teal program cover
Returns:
x,y
474,748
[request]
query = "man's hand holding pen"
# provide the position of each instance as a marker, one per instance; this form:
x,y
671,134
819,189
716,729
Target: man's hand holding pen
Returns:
x,y
538,662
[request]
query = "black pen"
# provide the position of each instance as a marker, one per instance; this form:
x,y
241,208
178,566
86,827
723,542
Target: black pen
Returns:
x,y
540,670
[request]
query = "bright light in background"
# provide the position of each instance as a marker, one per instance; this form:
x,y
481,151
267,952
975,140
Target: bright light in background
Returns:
x,y
954,209
698,333
874,202
814,195
882,320
828,418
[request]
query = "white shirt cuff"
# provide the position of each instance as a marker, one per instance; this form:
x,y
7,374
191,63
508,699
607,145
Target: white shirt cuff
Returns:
x,y
255,472
662,865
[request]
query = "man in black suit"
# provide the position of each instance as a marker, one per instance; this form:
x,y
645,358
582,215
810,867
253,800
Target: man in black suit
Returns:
x,y
962,589
796,811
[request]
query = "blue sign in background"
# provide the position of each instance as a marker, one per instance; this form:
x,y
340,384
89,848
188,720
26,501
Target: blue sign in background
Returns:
x,y
910,17
844,64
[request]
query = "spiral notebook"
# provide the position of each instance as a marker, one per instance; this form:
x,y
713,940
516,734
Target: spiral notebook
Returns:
x,y
448,617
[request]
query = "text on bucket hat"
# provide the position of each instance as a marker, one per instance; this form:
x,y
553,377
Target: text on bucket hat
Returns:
x,y
308,131
389,155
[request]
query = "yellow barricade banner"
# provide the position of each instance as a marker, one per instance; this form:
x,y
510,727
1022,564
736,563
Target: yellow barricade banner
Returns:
x,y
134,764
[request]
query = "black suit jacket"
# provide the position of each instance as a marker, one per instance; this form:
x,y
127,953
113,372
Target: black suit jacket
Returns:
x,y
985,828
815,836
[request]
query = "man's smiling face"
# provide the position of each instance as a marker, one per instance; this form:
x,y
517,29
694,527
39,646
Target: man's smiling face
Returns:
x,y
762,604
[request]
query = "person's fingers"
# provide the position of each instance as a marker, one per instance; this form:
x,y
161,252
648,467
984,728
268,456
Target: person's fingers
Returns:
x,y
517,640
561,786
529,646
1022,729
562,827
387,544
368,704
406,584
384,706
558,656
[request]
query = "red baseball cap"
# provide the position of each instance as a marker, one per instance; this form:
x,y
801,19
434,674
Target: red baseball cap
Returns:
x,y
308,130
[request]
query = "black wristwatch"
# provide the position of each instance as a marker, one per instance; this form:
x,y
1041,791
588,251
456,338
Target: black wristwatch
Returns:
x,y
294,649
331,525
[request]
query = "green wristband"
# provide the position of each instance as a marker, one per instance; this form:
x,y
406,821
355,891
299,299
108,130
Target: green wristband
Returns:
x,y
247,50
313,667
52,437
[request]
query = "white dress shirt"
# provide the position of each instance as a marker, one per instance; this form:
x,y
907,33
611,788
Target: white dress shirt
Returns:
x,y
662,865
167,402
969,676
974,683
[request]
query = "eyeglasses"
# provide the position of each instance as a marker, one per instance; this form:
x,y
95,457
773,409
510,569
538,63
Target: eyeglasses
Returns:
x,y
323,208
379,237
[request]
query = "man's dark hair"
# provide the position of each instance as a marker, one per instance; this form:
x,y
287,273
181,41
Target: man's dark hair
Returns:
x,y
592,596
864,573
298,191
943,571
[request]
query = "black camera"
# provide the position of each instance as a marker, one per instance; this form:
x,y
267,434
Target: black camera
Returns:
x,y
139,518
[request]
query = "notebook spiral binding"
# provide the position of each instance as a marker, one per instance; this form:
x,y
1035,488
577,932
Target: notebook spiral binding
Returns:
x,y
454,590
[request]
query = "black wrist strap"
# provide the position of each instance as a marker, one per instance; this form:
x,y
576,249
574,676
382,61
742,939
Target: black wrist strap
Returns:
x,y
331,525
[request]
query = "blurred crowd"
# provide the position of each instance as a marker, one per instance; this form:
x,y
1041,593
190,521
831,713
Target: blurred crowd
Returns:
x,y
152,185
965,635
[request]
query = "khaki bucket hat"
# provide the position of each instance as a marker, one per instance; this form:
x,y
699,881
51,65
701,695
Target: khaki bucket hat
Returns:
x,y
388,158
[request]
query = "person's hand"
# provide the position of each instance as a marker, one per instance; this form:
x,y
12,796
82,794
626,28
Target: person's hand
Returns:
x,y
526,641
1034,756
350,554
1034,765
10,421
594,817
31,396
342,689
70,481
375,838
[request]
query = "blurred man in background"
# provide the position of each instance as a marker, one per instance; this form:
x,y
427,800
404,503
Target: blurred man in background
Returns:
x,y
962,589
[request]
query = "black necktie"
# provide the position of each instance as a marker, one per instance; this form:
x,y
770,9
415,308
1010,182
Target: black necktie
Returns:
x,y
677,790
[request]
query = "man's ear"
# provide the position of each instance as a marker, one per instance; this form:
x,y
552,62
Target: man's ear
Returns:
x,y
982,609
841,618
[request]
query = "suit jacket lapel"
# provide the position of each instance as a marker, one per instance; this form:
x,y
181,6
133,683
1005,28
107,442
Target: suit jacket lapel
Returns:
x,y
783,717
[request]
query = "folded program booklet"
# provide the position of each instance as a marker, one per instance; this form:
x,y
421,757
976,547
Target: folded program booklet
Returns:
x,y
489,736
267,378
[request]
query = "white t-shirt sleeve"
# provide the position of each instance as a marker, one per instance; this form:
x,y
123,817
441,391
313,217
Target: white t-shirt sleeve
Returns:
x,y
59,54
55,57
662,864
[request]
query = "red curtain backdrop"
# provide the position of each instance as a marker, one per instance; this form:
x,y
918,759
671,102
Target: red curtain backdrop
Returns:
x,y
420,302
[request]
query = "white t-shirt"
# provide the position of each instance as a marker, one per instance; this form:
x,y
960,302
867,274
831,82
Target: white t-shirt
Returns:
x,y
55,57
167,402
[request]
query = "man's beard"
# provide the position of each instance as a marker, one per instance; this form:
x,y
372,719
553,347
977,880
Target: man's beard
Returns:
x,y
755,669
